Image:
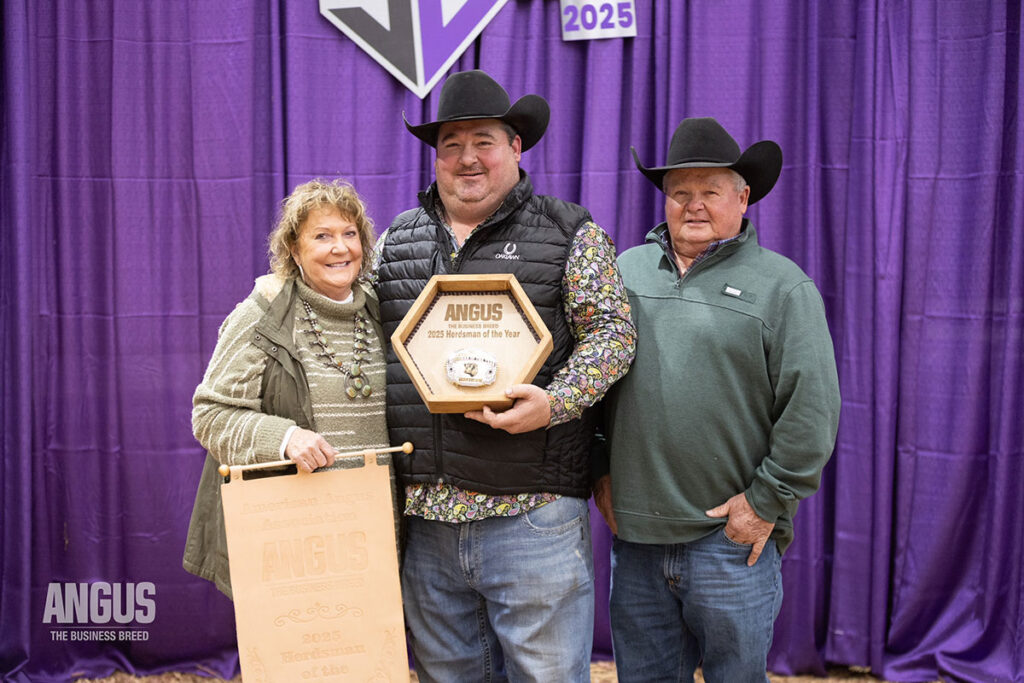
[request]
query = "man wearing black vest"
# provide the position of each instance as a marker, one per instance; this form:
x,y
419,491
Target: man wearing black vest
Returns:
x,y
497,575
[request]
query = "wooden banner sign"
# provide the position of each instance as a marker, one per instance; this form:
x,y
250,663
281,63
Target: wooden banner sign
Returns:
x,y
314,572
467,338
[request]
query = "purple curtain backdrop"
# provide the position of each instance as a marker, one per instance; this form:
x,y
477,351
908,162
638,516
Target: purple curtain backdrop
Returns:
x,y
145,145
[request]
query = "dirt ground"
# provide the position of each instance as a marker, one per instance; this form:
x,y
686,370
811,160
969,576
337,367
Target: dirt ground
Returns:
x,y
601,672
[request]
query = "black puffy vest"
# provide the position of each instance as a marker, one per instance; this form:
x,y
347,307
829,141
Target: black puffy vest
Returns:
x,y
449,447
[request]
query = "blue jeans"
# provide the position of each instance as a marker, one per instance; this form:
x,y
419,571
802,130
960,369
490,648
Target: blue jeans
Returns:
x,y
674,605
502,599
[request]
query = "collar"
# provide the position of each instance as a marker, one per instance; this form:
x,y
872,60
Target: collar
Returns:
x,y
325,305
660,236
430,200
278,322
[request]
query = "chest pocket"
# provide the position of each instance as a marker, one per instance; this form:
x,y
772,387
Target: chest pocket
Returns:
x,y
726,325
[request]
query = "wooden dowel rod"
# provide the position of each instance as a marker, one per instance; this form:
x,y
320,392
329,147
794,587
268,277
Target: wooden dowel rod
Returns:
x,y
225,470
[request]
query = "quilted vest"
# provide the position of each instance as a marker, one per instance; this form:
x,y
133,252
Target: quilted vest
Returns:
x,y
529,236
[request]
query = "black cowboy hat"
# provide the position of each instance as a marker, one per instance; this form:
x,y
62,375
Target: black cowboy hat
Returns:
x,y
475,95
703,143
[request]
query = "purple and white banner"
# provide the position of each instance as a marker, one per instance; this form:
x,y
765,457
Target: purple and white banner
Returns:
x,y
591,19
416,40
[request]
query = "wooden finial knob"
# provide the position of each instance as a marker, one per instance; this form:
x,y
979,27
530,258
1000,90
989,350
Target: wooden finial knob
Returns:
x,y
407,447
224,470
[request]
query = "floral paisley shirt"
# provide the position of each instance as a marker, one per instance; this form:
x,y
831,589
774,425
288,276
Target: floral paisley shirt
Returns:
x,y
597,310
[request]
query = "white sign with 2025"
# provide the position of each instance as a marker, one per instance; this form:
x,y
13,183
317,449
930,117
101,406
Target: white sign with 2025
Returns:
x,y
589,19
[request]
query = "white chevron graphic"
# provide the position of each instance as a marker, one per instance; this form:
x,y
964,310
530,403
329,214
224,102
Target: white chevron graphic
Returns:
x,y
449,8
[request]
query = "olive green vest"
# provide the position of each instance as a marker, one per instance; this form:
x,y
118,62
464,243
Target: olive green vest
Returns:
x,y
285,393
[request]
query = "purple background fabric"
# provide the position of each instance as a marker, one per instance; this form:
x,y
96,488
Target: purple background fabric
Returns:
x,y
146,144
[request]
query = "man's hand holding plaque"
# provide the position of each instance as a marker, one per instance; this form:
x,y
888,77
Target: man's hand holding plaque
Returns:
x,y
531,411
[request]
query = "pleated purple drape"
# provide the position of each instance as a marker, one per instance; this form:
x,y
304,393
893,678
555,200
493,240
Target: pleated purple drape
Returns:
x,y
144,147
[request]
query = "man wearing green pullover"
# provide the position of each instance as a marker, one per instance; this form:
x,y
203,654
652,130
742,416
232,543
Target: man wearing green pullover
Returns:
x,y
722,425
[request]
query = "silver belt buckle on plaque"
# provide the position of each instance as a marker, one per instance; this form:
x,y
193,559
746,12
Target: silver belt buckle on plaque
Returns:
x,y
471,368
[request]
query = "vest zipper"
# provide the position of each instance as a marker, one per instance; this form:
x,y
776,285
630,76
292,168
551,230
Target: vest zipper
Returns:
x,y
486,224
438,459
457,261
453,268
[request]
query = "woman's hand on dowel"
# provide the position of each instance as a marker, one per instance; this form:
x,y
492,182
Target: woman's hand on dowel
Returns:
x,y
309,450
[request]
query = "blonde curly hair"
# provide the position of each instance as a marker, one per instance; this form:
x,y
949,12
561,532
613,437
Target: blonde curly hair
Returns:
x,y
295,209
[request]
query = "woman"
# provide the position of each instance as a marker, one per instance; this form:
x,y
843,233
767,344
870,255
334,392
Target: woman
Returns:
x,y
298,370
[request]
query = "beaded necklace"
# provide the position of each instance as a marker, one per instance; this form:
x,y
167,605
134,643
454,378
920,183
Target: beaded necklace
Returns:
x,y
356,383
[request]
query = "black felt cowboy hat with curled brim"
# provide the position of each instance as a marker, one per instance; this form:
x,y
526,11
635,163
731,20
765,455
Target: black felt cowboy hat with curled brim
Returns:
x,y
703,143
475,95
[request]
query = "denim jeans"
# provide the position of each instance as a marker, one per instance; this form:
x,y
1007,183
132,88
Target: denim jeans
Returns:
x,y
675,605
502,599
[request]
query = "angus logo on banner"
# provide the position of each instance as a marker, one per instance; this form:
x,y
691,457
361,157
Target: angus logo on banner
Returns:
x,y
416,40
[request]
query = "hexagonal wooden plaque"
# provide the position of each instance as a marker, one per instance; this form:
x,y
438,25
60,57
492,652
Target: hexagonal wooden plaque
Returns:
x,y
488,313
